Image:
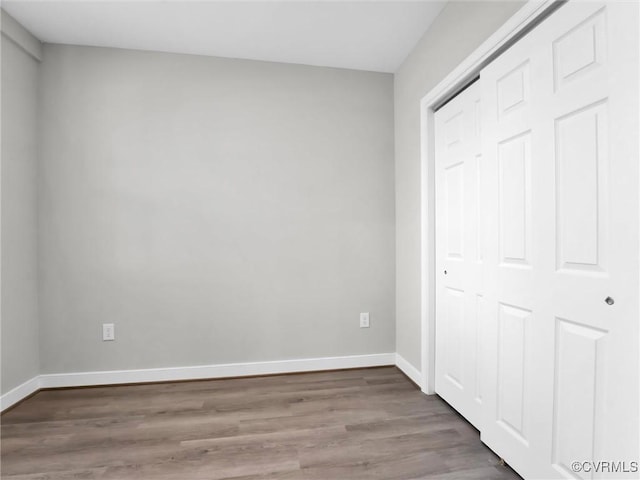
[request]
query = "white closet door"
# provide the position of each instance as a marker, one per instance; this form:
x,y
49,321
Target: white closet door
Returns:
x,y
560,147
459,301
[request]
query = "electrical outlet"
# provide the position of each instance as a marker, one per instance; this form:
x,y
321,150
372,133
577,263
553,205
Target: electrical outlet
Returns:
x,y
108,332
364,320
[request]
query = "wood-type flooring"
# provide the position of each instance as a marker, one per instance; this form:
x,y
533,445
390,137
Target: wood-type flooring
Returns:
x,y
348,424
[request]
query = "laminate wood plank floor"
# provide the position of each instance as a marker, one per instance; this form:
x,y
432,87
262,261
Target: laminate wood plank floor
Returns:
x,y
349,424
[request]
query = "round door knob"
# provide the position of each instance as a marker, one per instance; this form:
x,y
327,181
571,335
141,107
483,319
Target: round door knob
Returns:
x,y
609,301
445,272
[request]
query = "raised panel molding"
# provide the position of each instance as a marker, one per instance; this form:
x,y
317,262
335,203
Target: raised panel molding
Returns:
x,y
454,181
477,127
581,189
481,317
513,90
514,163
579,51
479,211
453,130
513,340
454,336
577,392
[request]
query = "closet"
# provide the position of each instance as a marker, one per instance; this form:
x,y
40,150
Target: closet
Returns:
x,y
537,246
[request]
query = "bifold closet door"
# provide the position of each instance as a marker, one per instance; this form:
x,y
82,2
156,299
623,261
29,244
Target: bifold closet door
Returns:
x,y
459,300
560,153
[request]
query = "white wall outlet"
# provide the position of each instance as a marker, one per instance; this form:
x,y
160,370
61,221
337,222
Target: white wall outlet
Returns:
x,y
364,320
108,332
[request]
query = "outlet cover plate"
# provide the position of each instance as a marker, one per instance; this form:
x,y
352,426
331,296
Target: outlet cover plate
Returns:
x,y
108,332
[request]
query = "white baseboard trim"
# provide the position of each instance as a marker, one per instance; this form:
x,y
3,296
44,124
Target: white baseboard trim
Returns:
x,y
409,370
114,377
13,396
213,371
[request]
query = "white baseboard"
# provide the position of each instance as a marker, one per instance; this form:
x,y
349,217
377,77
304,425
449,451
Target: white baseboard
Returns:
x,y
409,370
114,377
213,371
21,391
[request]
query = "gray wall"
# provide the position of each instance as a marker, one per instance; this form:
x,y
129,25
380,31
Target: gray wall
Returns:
x,y
215,210
458,31
19,326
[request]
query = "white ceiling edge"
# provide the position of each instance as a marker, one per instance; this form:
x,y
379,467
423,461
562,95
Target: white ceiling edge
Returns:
x,y
357,34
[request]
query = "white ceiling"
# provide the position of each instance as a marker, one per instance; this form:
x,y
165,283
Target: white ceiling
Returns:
x,y
363,35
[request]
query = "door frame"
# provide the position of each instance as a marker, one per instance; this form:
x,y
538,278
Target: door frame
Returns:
x,y
533,12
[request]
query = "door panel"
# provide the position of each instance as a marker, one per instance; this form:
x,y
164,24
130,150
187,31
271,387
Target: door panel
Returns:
x,y
459,320
580,51
454,188
454,361
577,385
480,346
514,163
581,172
514,370
560,171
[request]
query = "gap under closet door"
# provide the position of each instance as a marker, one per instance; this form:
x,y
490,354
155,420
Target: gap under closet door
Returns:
x,y
560,157
459,296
